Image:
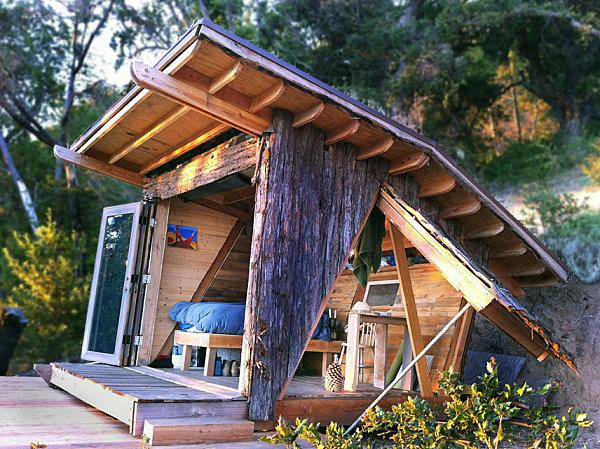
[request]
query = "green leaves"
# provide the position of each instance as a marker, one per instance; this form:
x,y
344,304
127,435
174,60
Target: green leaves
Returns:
x,y
482,415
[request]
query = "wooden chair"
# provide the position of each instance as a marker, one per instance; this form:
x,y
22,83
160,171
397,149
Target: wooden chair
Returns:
x,y
366,341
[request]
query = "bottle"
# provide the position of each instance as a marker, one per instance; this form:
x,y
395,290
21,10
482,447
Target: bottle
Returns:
x,y
176,356
227,368
235,368
218,367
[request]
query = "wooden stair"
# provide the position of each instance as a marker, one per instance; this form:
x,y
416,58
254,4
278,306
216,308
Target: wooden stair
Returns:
x,y
172,431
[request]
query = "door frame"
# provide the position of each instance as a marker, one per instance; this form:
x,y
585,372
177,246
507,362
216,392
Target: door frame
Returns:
x,y
115,357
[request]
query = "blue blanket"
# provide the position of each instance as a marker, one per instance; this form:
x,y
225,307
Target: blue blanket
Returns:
x,y
225,318
210,317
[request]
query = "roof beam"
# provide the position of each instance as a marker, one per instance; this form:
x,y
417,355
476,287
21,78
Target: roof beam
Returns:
x,y
342,132
82,160
181,92
150,132
225,77
378,148
267,97
413,162
514,250
203,136
308,115
237,195
437,186
488,230
526,269
470,207
222,161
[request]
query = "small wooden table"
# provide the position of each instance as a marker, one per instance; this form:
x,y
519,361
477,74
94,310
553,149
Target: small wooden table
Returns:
x,y
381,335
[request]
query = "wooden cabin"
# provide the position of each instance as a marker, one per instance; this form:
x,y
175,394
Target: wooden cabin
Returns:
x,y
257,181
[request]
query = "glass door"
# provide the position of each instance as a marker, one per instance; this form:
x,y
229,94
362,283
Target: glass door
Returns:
x,y
111,284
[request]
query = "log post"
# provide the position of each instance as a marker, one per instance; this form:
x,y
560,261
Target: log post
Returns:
x,y
311,203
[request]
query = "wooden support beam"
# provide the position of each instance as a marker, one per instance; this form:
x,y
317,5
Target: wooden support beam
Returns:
x,y
225,77
183,93
410,309
437,186
547,280
267,97
205,168
488,230
308,115
164,122
342,132
203,136
376,149
214,268
460,338
414,162
245,217
237,195
513,250
465,209
455,268
90,163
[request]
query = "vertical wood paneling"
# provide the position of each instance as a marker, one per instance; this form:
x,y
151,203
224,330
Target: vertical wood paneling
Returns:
x,y
183,269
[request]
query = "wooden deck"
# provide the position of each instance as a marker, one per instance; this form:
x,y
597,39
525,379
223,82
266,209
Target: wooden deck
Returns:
x,y
133,395
32,412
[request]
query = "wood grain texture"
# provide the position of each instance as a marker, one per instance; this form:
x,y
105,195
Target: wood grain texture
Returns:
x,y
310,204
222,161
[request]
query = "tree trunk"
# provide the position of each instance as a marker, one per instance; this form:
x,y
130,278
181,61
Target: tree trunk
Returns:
x,y
24,194
311,203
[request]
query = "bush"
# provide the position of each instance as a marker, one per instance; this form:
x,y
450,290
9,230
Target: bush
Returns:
x,y
569,229
44,283
482,415
535,161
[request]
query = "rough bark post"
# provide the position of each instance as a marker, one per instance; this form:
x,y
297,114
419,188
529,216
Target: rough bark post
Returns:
x,y
311,202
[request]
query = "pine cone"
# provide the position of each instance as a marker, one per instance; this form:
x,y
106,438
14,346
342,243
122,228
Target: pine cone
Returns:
x,y
333,377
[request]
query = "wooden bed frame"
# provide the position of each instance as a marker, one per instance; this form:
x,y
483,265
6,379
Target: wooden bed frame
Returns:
x,y
212,342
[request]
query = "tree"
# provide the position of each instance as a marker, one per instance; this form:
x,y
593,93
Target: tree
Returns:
x,y
48,289
44,54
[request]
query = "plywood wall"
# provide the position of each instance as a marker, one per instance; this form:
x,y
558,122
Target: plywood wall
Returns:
x,y
437,302
231,282
183,269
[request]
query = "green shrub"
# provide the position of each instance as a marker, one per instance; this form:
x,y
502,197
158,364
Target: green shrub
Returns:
x,y
591,165
44,283
535,161
569,229
482,415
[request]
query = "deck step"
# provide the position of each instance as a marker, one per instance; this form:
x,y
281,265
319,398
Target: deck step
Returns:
x,y
171,431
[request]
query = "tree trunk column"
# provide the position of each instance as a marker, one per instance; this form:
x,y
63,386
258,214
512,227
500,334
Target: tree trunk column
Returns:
x,y
311,203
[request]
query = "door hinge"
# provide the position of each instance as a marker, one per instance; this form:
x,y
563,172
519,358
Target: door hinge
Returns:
x,y
126,339
152,223
138,340
146,278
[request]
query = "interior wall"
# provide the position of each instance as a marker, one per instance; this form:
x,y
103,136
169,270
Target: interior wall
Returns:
x,y
183,268
437,303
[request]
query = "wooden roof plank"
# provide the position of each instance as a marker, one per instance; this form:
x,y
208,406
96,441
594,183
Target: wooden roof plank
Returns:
x,y
516,249
171,117
135,96
203,102
487,230
203,136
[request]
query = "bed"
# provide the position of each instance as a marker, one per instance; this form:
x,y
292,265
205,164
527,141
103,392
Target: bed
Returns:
x,y
219,325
